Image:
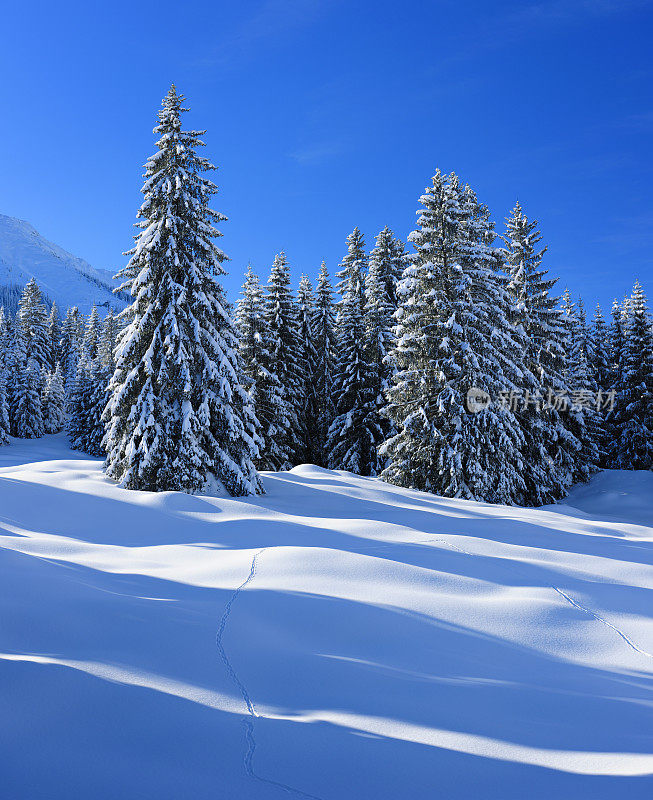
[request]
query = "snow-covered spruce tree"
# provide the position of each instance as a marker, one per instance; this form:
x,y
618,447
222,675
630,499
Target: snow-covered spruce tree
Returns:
x,y
631,419
70,344
599,357
99,377
88,393
25,383
26,410
92,334
583,414
5,338
4,410
178,416
107,340
453,335
53,402
354,432
550,449
386,265
599,350
617,340
264,386
34,323
308,359
323,327
53,336
79,403
281,316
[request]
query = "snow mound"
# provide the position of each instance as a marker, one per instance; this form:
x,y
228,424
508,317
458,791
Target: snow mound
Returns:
x,y
334,638
64,278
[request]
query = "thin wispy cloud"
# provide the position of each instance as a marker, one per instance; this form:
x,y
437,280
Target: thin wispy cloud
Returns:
x,y
271,24
524,20
317,152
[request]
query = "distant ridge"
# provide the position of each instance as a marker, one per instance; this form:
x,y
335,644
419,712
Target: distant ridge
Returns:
x,y
64,278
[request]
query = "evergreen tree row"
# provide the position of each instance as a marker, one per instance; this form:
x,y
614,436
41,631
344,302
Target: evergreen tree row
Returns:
x,y
452,368
53,372
378,381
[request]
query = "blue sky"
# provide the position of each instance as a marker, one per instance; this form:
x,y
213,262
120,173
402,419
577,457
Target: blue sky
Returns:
x,y
326,114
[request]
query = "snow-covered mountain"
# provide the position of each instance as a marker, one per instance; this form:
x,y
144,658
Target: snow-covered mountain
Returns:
x,y
64,278
336,638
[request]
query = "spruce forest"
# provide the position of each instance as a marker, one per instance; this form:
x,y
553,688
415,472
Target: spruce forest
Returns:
x,y
372,376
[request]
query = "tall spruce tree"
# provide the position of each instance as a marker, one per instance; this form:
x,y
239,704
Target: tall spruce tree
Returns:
x,y
631,419
281,316
583,413
550,448
386,264
354,433
5,338
264,385
323,327
454,337
178,415
4,410
53,336
599,350
308,360
29,359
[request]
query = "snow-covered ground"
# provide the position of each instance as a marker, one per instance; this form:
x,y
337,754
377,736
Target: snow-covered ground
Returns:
x,y
337,638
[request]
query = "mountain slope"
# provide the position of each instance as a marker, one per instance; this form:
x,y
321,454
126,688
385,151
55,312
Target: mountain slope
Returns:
x,y
64,278
336,638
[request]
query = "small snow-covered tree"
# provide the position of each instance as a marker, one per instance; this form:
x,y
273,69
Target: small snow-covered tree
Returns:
x,y
354,432
100,375
107,340
70,344
323,327
264,386
79,404
27,415
53,402
92,334
281,316
178,415
631,419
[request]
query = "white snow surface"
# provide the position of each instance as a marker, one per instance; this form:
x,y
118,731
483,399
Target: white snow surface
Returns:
x,y
335,638
66,279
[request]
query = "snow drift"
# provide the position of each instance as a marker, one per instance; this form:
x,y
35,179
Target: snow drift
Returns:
x,y
335,638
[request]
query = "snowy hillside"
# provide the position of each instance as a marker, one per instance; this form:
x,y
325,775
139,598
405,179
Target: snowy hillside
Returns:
x,y
335,638
64,278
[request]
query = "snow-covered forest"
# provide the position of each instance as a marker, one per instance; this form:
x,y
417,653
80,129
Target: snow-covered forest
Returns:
x,y
447,364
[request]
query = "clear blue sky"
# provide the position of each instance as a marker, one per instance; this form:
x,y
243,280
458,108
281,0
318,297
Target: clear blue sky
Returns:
x,y
326,114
